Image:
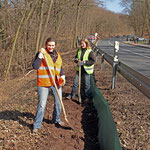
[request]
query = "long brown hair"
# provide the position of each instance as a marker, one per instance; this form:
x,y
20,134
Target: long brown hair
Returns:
x,y
50,39
86,42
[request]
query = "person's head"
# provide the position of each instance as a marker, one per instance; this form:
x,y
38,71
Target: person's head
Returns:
x,y
84,43
50,44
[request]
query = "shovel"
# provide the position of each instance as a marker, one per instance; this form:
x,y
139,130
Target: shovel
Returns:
x,y
79,93
57,90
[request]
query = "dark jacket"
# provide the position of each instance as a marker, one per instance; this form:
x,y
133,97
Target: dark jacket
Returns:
x,y
37,61
91,59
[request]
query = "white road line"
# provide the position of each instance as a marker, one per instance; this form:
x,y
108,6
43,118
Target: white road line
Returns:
x,y
130,51
110,43
135,53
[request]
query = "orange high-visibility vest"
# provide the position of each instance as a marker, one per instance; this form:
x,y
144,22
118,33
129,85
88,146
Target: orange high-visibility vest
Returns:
x,y
44,77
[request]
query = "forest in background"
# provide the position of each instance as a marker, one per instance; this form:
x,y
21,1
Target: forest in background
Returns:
x,y
25,25
139,16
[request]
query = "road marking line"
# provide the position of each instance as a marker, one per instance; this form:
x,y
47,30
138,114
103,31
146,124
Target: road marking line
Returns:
x,y
131,51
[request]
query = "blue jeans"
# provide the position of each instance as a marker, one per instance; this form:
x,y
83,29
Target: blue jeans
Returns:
x,y
43,95
85,84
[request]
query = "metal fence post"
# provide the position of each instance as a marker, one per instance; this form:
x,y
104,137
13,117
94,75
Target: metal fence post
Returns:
x,y
96,53
115,62
102,62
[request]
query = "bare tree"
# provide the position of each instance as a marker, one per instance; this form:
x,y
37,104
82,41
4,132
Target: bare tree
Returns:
x,y
46,22
40,25
65,19
16,37
139,12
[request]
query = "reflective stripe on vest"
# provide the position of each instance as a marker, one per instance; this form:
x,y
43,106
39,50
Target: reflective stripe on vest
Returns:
x,y
88,69
44,77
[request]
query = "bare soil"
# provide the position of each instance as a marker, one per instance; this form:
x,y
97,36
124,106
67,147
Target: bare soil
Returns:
x,y
18,103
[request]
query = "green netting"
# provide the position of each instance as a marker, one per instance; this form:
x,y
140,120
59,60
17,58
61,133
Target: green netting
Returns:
x,y
107,134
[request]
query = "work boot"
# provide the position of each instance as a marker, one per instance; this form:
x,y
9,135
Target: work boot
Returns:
x,y
34,130
59,124
70,97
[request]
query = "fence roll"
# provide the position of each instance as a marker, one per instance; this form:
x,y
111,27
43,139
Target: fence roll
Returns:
x,y
107,134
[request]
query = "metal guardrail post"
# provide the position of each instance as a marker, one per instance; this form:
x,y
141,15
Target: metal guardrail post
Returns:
x,y
102,62
115,63
114,75
96,52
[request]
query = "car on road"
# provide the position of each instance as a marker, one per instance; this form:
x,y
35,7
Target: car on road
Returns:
x,y
92,38
128,37
141,39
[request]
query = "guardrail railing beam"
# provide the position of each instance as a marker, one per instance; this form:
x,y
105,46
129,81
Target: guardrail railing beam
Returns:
x,y
135,78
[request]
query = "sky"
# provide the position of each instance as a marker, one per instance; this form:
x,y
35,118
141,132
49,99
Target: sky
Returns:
x,y
113,6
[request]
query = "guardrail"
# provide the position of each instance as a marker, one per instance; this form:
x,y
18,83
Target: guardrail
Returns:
x,y
137,79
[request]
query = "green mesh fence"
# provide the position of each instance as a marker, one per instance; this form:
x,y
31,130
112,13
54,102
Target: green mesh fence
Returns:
x,y
107,134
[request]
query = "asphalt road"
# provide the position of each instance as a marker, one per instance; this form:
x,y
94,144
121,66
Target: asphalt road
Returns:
x,y
136,57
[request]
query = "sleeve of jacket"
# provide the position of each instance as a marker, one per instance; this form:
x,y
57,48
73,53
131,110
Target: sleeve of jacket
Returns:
x,y
76,57
37,62
61,72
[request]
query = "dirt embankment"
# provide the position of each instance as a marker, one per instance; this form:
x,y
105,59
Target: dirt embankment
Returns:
x,y
18,103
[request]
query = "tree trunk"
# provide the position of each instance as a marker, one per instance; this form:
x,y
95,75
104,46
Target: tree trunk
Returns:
x,y
46,23
14,44
15,39
76,25
40,25
148,16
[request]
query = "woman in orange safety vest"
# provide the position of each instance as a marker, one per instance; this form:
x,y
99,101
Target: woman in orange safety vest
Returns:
x,y
45,82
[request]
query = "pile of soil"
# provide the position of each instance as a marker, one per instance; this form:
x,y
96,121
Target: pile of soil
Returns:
x,y
18,103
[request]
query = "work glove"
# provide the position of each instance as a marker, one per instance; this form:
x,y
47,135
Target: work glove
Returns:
x,y
43,51
41,56
81,63
62,80
76,60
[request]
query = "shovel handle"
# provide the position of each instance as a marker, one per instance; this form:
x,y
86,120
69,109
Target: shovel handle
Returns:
x,y
79,90
56,90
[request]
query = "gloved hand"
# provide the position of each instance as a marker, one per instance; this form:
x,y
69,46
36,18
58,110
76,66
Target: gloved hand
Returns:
x,y
63,80
41,56
81,63
42,50
76,60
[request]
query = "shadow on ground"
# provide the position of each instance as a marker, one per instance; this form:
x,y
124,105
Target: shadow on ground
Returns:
x,y
16,115
90,127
